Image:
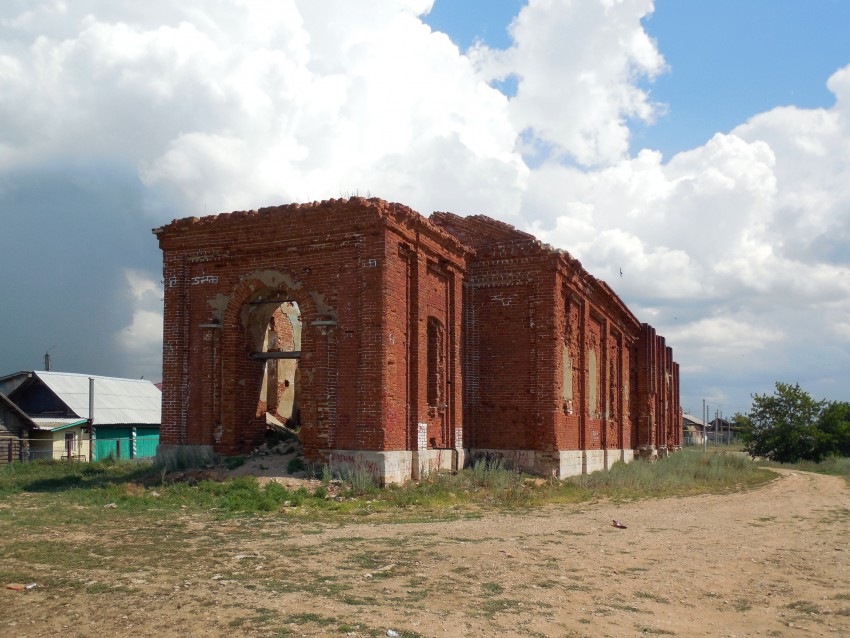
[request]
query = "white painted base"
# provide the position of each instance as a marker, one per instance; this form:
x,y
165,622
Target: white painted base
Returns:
x,y
561,463
618,456
570,463
593,461
401,466
385,467
461,459
427,461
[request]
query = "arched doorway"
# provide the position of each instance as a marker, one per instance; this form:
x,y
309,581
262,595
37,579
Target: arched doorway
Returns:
x,y
279,351
262,365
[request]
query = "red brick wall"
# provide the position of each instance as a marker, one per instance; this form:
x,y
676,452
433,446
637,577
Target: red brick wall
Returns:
x,y
510,337
572,397
369,278
341,263
424,275
525,303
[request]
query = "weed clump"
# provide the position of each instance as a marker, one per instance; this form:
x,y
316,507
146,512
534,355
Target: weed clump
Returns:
x,y
686,472
360,482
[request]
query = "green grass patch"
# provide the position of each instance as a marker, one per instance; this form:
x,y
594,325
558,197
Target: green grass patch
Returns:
x,y
492,589
833,466
137,488
317,619
684,473
142,487
64,476
803,606
490,608
232,462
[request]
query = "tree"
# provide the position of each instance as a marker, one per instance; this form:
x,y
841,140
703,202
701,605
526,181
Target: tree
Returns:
x,y
783,427
834,427
740,422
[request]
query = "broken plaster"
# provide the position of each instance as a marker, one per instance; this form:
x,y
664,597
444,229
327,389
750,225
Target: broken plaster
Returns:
x,y
218,304
323,309
273,279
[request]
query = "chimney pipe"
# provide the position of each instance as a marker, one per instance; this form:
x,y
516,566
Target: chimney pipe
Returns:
x,y
91,400
47,361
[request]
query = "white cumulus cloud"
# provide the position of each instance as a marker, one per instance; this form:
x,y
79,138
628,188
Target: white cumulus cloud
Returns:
x,y
738,251
577,64
235,104
145,329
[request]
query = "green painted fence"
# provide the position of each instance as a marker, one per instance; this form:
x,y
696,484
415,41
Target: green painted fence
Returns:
x,y
118,442
147,439
111,441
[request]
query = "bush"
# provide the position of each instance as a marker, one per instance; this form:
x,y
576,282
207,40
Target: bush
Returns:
x,y
244,494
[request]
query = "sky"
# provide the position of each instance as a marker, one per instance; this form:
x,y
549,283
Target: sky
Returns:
x,y
701,148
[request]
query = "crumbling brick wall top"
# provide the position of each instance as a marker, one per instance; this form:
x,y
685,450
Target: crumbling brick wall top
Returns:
x,y
494,238
490,236
480,230
380,211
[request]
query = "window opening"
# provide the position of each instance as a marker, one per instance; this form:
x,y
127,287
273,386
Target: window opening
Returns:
x,y
436,364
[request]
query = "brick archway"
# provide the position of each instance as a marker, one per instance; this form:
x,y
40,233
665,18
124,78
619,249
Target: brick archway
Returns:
x,y
241,428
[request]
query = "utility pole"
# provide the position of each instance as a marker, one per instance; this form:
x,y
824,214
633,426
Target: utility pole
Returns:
x,y
704,434
715,427
719,428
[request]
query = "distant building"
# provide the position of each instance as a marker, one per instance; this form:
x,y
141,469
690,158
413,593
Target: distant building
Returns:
x,y
720,425
85,417
15,427
693,430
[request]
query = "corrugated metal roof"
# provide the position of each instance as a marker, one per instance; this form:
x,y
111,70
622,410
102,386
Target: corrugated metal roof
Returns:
x,y
690,418
52,423
116,401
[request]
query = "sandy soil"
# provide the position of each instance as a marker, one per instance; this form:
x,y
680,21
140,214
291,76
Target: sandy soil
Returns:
x,y
774,561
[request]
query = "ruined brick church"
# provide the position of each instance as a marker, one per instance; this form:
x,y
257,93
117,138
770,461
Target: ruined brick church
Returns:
x,y
402,344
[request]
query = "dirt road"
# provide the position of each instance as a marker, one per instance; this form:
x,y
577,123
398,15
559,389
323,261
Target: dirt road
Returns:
x,y
774,561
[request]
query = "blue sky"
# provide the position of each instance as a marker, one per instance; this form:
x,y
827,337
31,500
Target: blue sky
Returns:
x,y
701,147
469,20
728,59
